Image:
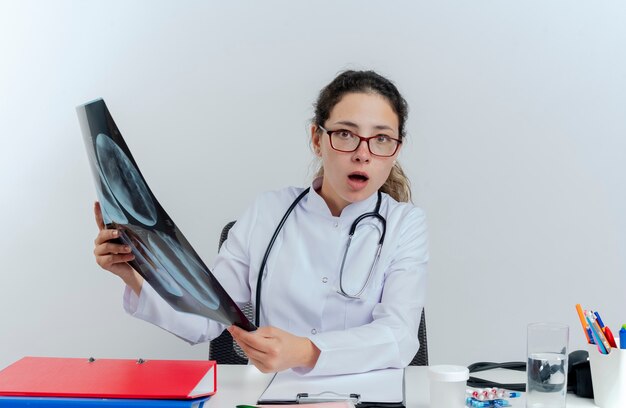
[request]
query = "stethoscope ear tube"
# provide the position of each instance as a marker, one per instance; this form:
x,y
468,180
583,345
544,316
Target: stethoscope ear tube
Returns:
x,y
374,214
257,311
483,366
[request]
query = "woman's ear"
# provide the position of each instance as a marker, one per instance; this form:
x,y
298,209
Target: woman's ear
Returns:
x,y
316,140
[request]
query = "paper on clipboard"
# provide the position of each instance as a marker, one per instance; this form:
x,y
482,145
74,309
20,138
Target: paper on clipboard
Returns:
x,y
383,387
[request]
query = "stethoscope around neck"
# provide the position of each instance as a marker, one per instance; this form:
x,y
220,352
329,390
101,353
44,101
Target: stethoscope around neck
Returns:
x,y
341,291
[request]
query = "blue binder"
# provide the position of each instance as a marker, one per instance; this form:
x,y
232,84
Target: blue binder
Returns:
x,y
59,402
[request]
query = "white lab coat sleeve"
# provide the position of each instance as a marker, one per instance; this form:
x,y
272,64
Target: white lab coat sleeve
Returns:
x,y
231,271
232,265
151,307
390,340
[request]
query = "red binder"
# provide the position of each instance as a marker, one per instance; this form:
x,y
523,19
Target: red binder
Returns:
x,y
109,378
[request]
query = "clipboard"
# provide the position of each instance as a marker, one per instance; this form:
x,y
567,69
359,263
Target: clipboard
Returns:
x,y
379,388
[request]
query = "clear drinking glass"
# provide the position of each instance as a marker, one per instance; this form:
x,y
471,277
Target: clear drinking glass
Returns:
x,y
547,345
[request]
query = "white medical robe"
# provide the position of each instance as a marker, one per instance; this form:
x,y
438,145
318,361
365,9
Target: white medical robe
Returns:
x,y
301,280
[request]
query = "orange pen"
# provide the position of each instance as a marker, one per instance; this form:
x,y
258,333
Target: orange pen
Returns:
x,y
583,321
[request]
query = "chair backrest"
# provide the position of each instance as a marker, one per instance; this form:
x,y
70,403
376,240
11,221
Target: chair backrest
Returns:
x,y
421,357
225,351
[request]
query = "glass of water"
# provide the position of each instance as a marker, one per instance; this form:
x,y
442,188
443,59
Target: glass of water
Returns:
x,y
547,365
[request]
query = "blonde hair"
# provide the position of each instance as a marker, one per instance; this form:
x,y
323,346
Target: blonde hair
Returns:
x,y
397,185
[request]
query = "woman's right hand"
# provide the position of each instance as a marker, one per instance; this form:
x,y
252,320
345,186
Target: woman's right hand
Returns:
x,y
112,256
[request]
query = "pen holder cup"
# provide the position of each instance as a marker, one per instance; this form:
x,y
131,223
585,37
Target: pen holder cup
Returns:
x,y
608,376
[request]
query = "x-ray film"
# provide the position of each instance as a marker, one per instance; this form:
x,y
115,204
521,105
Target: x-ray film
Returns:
x,y
163,256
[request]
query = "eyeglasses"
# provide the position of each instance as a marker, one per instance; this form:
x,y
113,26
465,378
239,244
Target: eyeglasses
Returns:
x,y
344,140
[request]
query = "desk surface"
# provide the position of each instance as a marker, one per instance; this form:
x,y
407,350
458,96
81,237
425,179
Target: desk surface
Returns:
x,y
237,384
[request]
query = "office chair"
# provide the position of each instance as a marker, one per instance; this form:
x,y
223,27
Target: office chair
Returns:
x,y
225,351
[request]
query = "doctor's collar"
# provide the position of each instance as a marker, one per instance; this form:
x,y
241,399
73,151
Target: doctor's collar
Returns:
x,y
316,203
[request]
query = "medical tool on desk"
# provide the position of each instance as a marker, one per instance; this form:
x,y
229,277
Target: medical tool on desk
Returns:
x,y
374,214
484,366
486,394
489,397
474,403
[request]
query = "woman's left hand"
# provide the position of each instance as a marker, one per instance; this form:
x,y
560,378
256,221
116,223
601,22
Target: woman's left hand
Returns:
x,y
271,349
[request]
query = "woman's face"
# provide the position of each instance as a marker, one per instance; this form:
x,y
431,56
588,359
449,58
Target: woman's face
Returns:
x,y
353,176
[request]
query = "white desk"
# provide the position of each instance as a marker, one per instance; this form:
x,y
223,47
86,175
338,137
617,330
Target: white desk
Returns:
x,y
237,384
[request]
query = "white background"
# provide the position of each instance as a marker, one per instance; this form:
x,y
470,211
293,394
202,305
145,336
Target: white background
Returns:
x,y
516,145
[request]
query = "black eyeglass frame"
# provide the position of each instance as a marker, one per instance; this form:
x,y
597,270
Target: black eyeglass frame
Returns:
x,y
361,139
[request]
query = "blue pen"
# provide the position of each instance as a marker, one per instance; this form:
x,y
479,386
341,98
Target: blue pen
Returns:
x,y
605,330
599,320
622,337
591,340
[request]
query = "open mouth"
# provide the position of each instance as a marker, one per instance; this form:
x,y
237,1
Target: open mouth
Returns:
x,y
361,177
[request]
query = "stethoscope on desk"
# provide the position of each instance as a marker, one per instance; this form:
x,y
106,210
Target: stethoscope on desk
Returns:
x,y
341,291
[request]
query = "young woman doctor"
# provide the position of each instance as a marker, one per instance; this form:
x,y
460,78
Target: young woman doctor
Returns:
x,y
330,304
